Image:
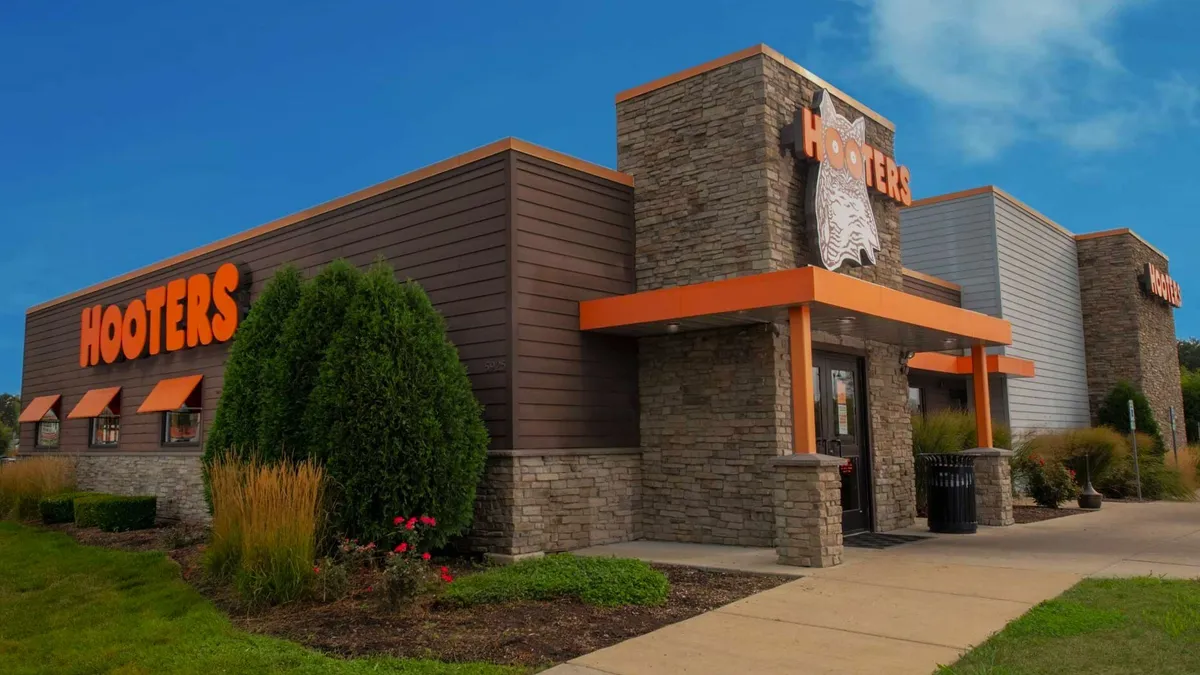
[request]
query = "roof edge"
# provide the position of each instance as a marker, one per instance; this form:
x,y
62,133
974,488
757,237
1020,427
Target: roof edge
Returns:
x,y
757,50
429,171
929,278
1119,231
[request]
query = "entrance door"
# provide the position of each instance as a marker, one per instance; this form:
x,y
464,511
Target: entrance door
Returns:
x,y
839,407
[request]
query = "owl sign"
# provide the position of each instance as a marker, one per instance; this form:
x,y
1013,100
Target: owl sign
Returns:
x,y
844,166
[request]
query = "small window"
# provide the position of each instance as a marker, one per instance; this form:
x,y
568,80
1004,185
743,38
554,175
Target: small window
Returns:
x,y
106,429
181,427
916,401
47,432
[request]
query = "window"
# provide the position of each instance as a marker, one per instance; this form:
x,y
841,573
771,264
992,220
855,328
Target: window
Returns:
x,y
181,427
47,432
916,401
106,429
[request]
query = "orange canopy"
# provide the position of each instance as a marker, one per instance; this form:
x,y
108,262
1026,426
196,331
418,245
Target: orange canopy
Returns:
x,y
170,394
953,364
38,408
93,403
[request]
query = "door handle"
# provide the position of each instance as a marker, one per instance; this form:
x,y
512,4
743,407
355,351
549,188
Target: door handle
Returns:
x,y
821,446
838,448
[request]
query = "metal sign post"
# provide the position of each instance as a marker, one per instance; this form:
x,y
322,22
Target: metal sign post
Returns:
x,y
1174,437
1137,473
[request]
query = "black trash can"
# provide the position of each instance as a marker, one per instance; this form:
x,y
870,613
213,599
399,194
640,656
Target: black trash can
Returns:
x,y
950,485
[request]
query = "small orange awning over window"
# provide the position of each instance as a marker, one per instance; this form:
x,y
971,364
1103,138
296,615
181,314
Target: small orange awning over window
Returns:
x,y
93,403
170,394
38,408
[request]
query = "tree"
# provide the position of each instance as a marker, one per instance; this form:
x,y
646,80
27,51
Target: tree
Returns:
x,y
1189,353
6,438
10,409
1114,412
393,417
290,375
1190,383
238,419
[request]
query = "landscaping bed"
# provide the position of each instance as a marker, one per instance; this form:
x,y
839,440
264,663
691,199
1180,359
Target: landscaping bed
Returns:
x,y
1033,514
523,633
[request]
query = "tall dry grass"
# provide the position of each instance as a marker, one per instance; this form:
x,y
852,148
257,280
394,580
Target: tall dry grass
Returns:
x,y
1188,466
24,483
265,523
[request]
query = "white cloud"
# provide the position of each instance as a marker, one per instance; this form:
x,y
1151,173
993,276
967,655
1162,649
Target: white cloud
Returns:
x,y
999,71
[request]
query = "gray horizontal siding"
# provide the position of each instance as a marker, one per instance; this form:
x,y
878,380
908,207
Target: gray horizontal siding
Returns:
x,y
1039,286
955,240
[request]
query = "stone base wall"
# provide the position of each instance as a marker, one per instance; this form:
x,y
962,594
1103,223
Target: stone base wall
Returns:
x,y
548,500
993,486
175,479
710,423
808,510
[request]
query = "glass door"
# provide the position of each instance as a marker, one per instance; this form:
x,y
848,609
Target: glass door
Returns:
x,y
839,411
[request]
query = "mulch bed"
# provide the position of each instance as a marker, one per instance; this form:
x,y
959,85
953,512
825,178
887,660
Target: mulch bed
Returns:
x,y
1036,514
531,634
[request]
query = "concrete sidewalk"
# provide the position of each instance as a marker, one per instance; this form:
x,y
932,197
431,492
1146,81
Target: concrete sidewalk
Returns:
x,y
901,610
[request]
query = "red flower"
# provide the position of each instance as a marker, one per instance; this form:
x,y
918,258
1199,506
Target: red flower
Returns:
x,y
369,589
412,522
316,570
428,520
445,570
447,578
370,546
402,547
426,556
397,520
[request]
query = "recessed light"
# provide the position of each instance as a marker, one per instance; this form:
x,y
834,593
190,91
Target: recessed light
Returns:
x,y
673,327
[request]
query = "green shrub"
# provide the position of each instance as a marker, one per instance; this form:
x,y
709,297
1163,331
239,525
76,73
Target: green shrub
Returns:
x,y
1159,481
115,513
607,582
60,508
1049,481
1190,384
393,417
24,483
331,580
950,430
290,375
235,427
1098,447
1114,412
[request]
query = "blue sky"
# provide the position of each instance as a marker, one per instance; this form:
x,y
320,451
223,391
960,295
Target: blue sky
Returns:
x,y
133,132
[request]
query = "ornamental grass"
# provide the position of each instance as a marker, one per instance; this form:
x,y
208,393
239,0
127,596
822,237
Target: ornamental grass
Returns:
x,y
265,524
24,483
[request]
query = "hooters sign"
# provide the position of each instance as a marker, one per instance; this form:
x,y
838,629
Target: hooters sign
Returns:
x,y
1156,283
186,312
844,167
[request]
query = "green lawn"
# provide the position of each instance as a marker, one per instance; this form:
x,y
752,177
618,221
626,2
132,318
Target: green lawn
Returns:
x,y
66,608
1099,627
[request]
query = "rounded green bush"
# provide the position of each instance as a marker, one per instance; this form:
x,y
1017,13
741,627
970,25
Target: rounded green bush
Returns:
x,y
60,508
393,418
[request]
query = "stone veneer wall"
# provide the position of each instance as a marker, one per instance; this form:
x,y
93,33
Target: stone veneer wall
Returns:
x,y
719,196
709,428
175,479
1127,334
547,500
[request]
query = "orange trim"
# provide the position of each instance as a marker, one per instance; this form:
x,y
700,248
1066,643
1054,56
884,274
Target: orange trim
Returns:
x,y
1113,233
93,403
756,50
983,397
170,394
940,362
784,289
961,194
443,166
929,278
804,425
38,408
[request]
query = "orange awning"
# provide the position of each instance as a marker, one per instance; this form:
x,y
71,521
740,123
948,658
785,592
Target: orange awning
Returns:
x,y
952,364
170,394
93,403
38,408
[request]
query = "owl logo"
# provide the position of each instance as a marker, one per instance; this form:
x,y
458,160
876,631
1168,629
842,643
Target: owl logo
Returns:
x,y
838,203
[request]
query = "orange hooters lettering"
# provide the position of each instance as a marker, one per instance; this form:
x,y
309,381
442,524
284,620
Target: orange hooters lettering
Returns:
x,y
188,312
1158,284
817,141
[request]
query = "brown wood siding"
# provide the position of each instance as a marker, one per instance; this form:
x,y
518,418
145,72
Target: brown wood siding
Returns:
x,y
924,289
449,232
574,241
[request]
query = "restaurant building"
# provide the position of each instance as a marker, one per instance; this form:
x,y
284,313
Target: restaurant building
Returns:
x,y
712,343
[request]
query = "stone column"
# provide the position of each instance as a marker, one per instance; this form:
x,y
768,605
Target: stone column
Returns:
x,y
808,510
993,486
